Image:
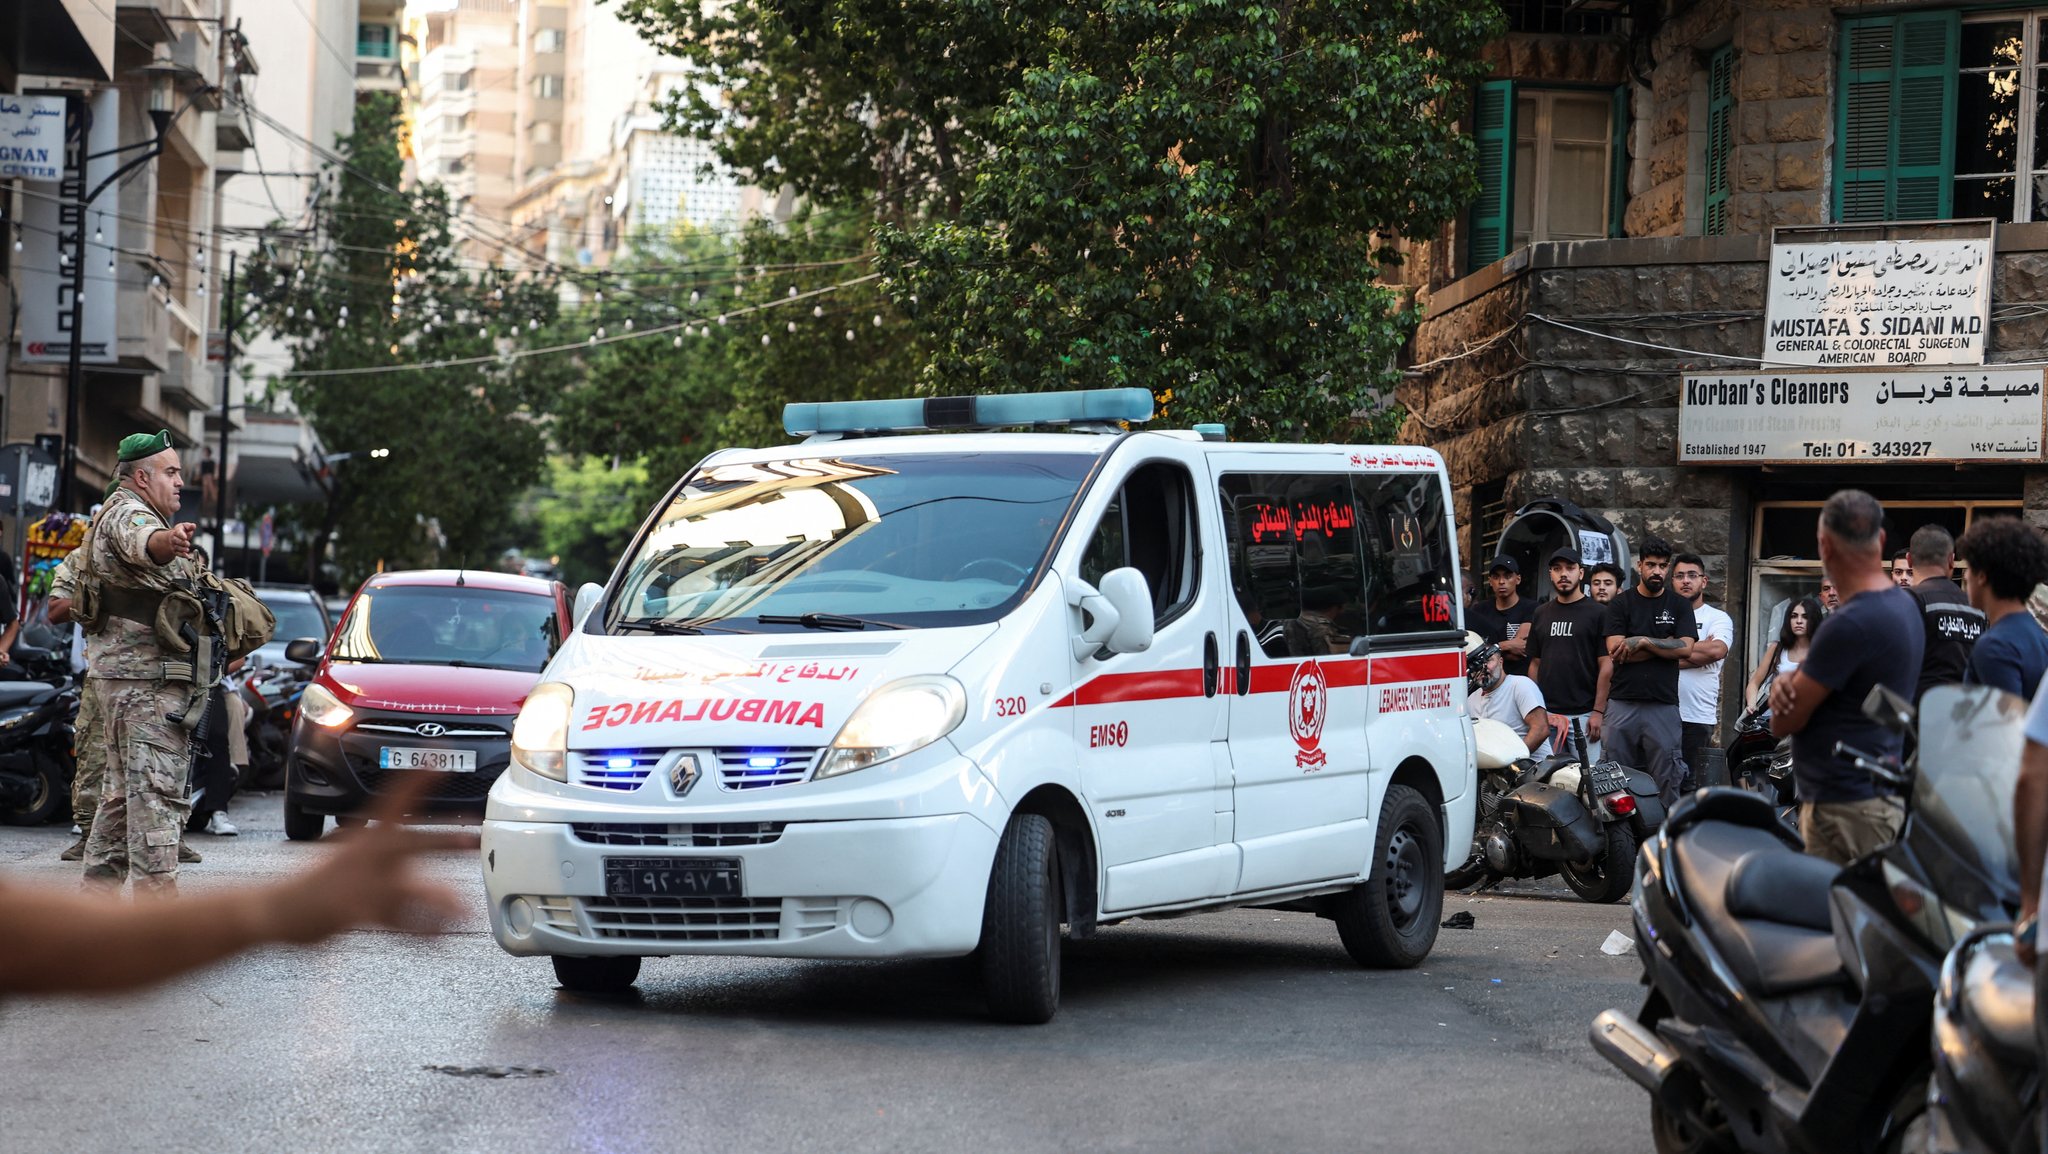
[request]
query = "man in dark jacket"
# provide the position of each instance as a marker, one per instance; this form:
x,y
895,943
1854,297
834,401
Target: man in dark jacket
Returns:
x,y
1952,622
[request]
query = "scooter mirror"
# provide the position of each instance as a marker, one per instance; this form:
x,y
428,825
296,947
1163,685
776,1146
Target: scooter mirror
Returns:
x,y
1889,709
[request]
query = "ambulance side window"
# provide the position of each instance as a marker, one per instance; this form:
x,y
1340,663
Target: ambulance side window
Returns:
x,y
1294,560
1150,526
1408,559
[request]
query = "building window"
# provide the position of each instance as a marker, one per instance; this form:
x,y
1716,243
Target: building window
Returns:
x,y
1547,162
543,132
458,81
455,165
377,41
547,87
1896,115
1551,16
548,40
1720,140
457,124
2001,160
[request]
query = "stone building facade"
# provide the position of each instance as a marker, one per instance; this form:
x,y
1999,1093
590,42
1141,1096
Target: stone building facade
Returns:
x,y
1557,330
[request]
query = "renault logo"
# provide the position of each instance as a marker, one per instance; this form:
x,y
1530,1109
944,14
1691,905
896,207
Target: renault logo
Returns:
x,y
683,774
430,729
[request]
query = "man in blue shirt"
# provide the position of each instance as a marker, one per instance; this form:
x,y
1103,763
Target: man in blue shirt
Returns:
x,y
1875,638
2007,558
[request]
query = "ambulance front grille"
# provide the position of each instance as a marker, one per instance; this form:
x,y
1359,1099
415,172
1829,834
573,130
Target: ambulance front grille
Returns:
x,y
617,769
758,768
671,919
701,835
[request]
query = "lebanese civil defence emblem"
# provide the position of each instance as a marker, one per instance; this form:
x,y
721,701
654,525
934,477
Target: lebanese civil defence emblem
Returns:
x,y
1308,701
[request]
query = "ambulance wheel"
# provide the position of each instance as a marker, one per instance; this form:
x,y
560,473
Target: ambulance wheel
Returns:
x,y
597,975
1390,921
1608,879
1020,925
303,824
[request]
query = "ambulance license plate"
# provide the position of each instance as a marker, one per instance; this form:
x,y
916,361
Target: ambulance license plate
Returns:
x,y
439,760
667,877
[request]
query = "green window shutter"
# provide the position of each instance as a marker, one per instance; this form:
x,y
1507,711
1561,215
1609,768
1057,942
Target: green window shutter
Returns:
x,y
1895,117
1491,222
1720,139
1617,202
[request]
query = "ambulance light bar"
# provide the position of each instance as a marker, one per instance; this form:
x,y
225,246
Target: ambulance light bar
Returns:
x,y
995,411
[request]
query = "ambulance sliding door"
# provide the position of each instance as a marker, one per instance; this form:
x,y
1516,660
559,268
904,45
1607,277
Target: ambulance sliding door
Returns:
x,y
1299,703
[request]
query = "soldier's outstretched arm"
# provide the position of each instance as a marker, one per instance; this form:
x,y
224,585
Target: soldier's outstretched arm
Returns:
x,y
55,941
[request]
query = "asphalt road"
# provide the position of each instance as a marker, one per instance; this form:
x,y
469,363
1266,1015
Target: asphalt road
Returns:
x,y
1241,1031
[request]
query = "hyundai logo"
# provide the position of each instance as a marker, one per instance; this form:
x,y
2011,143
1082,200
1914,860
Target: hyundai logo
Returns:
x,y
430,729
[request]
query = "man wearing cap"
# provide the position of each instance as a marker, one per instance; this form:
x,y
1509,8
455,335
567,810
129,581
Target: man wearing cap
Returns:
x,y
1568,654
1650,629
136,556
1505,620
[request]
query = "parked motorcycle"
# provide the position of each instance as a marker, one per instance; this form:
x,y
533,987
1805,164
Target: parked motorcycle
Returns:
x,y
272,694
1790,1002
37,731
1560,815
1762,763
1985,1097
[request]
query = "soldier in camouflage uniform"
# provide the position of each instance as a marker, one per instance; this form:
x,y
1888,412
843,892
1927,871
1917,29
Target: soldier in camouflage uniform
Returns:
x,y
138,556
89,745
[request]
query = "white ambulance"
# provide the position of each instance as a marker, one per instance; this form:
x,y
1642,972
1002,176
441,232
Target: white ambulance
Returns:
x,y
958,691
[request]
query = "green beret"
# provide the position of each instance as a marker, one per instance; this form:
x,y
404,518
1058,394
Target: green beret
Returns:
x,y
136,446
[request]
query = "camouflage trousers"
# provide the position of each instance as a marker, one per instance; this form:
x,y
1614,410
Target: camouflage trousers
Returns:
x,y
90,752
143,803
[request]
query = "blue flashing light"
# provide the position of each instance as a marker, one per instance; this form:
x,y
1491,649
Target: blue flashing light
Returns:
x,y
1002,410
1212,432
619,763
763,762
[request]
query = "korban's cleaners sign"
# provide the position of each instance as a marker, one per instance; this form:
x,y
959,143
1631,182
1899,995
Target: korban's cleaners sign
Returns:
x,y
1878,304
1991,414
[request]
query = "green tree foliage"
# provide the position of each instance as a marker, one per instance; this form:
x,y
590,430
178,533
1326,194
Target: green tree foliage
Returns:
x,y
1197,196
882,102
668,401
382,287
579,516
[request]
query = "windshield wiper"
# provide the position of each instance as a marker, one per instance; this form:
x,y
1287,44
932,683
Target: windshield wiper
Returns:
x,y
675,628
825,621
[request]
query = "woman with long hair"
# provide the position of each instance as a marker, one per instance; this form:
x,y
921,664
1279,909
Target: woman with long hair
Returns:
x,y
1794,638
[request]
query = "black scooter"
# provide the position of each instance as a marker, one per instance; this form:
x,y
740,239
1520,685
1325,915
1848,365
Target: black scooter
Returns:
x,y
1561,815
1790,1002
1987,1055
1762,763
37,731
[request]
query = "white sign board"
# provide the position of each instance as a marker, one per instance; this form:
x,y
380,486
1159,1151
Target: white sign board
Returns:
x,y
31,138
1878,304
1805,418
49,234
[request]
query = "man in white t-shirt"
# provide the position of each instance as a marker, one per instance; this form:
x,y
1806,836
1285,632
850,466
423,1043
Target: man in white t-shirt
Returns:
x,y
1699,675
1509,698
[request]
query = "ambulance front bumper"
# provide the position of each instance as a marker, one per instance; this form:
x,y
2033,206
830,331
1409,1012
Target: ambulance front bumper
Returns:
x,y
812,883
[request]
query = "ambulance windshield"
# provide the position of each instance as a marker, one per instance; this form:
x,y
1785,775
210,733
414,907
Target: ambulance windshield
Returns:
x,y
909,540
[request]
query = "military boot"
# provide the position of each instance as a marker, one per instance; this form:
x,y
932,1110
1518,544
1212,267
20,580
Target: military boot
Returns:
x,y
187,855
75,853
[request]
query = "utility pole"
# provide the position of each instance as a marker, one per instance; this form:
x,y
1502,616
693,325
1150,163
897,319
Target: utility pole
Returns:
x,y
228,308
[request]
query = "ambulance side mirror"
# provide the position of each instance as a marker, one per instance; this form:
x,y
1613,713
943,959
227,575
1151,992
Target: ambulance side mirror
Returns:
x,y
1128,590
587,598
1117,618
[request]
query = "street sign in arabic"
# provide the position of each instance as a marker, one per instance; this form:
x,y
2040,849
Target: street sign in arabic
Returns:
x,y
1814,418
31,137
1877,304
51,233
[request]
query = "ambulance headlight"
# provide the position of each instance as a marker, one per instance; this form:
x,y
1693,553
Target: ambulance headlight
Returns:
x,y
901,717
319,705
540,738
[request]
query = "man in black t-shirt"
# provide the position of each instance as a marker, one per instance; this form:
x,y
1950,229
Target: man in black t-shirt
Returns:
x,y
1874,638
1568,654
1650,629
1505,620
1951,622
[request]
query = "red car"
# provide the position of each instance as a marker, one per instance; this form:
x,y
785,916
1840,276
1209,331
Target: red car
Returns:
x,y
424,676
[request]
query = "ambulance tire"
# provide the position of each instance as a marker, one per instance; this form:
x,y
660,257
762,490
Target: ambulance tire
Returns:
x,y
613,975
1020,925
1390,921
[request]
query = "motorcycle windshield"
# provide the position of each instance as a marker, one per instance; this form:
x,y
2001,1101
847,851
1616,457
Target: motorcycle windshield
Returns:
x,y
1971,737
